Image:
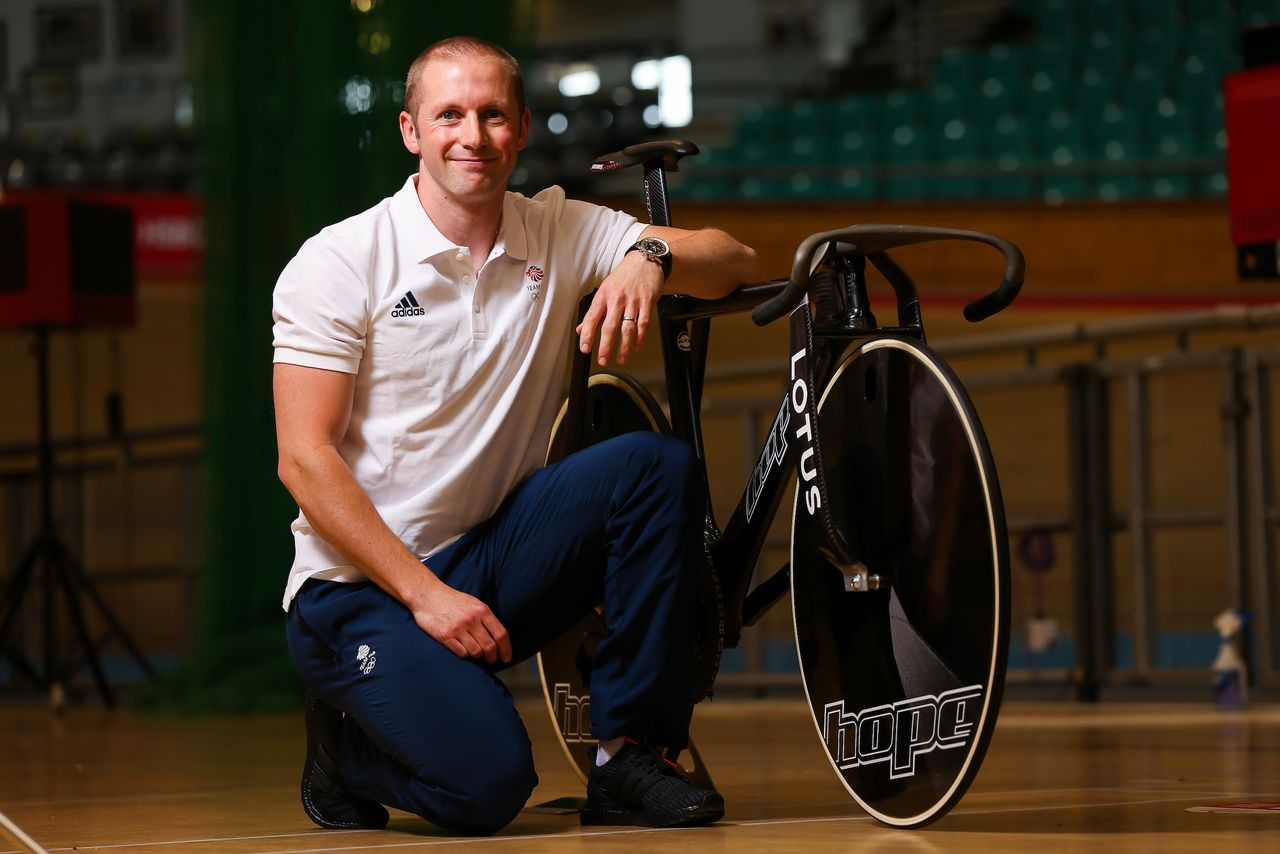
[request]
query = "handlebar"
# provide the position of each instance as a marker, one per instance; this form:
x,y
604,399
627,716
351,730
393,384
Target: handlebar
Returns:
x,y
872,239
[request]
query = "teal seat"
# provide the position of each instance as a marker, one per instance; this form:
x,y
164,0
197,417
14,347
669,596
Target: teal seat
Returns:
x,y
1213,184
1144,86
761,122
806,184
1215,11
1254,13
809,117
803,147
1008,187
1105,50
1045,90
1208,138
762,189
1162,13
1171,185
908,143
859,112
900,107
1119,144
755,151
1171,145
856,147
1115,188
1054,17
902,188
854,183
959,68
1008,134
1156,45
1056,189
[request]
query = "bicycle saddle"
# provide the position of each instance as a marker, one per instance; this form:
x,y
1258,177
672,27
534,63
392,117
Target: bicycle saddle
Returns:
x,y
669,150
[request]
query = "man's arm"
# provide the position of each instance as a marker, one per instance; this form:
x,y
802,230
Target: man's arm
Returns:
x,y
313,407
707,263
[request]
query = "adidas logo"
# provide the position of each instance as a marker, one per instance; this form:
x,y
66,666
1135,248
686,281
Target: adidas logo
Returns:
x,y
407,307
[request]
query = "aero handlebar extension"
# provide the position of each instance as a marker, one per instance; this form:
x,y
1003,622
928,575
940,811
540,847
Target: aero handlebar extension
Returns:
x,y
870,239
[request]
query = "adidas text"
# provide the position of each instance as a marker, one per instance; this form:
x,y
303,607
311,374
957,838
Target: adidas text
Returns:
x,y
407,312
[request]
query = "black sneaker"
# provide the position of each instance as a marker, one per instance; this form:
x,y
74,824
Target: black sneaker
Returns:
x,y
323,798
639,787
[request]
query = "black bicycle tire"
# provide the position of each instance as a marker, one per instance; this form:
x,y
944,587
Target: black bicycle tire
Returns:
x,y
980,454
646,404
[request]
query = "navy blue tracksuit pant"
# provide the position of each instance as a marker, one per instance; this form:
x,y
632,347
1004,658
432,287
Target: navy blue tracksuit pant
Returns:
x,y
438,735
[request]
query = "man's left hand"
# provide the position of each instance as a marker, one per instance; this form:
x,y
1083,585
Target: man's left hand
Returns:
x,y
621,309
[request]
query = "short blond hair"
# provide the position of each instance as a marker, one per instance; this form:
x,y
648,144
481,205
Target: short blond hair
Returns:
x,y
460,47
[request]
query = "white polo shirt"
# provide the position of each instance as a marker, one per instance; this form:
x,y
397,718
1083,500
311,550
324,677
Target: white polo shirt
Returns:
x,y
457,377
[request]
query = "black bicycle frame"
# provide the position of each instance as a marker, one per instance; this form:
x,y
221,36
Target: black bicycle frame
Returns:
x,y
684,326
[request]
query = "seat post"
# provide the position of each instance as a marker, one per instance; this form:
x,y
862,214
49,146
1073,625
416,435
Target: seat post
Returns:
x,y
655,192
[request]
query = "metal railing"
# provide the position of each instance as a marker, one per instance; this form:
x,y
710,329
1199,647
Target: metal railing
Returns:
x,y
1109,511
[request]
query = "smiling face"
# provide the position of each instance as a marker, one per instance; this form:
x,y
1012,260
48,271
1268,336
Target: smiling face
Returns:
x,y
468,130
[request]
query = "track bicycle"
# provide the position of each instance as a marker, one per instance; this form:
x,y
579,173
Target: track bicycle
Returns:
x,y
899,564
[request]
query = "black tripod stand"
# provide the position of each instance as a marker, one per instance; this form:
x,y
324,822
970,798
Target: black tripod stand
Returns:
x,y
51,561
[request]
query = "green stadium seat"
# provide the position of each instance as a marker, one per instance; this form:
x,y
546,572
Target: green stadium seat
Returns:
x,y
809,117
1170,185
1208,139
1045,90
854,183
907,143
1254,13
856,113
1106,50
765,122
1144,86
902,107
808,185
1056,189
1156,45
901,188
1163,13
755,151
1008,134
1216,11
753,188
1010,187
858,146
1213,184
960,68
1114,188
1057,17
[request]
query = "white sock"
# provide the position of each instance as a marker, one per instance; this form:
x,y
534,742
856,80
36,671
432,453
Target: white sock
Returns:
x,y
606,750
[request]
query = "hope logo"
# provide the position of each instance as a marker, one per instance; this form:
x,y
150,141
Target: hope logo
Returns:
x,y
900,732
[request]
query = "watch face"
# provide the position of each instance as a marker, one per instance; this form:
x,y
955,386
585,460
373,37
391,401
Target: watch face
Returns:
x,y
654,247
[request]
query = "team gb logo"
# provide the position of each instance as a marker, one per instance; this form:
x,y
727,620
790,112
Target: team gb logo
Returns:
x,y
534,274
366,658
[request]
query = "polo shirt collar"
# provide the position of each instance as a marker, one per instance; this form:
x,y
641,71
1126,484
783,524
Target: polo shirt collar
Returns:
x,y
428,242
511,233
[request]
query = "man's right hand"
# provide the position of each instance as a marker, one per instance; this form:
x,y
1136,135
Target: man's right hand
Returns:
x,y
464,624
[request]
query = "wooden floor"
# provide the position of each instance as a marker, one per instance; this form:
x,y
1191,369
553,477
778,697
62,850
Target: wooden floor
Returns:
x,y
1111,778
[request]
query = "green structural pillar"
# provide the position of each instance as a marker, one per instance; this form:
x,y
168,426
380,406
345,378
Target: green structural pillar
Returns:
x,y
297,106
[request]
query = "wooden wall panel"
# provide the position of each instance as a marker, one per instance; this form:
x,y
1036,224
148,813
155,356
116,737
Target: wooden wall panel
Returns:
x,y
1138,251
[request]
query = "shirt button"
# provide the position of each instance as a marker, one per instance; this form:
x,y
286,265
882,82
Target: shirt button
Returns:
x,y
462,256
476,308
467,279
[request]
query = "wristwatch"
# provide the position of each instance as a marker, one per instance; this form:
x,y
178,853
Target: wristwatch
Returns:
x,y
656,250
